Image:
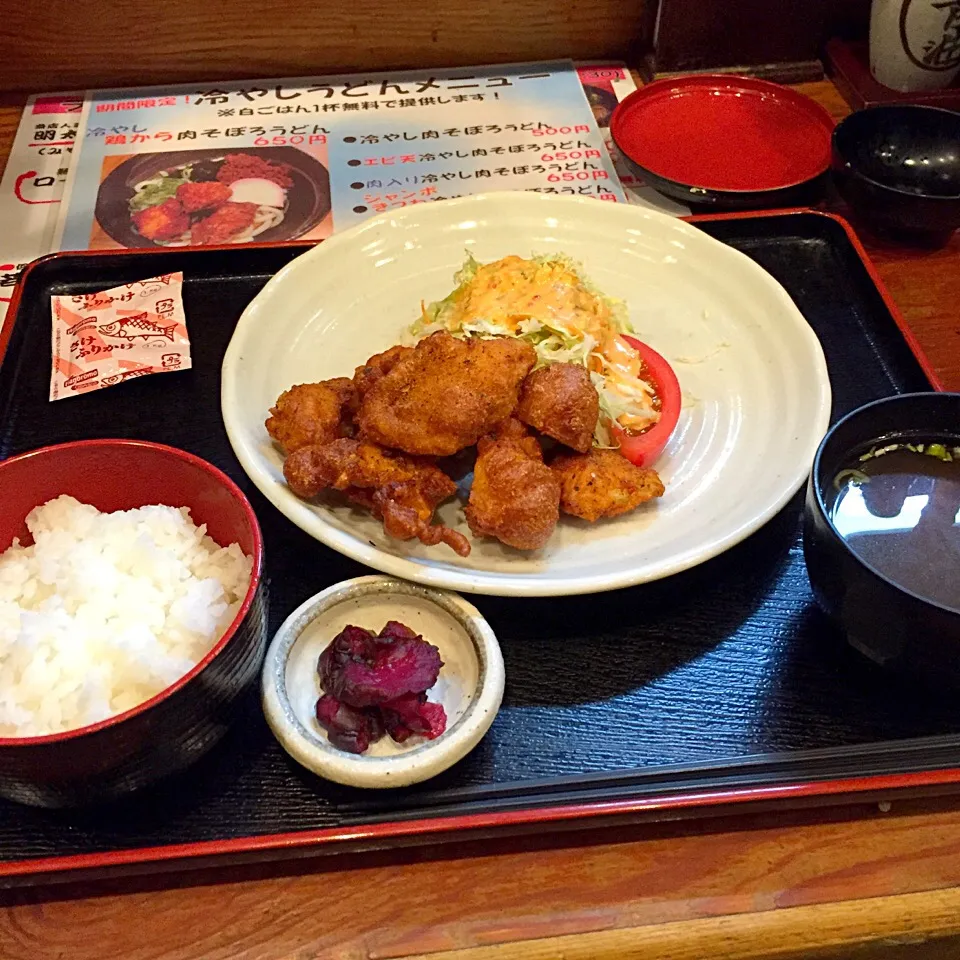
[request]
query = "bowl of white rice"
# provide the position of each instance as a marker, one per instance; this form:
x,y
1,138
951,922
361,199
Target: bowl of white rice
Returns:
x,y
132,617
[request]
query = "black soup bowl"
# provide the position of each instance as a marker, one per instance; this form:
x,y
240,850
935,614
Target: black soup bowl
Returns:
x,y
899,169
900,607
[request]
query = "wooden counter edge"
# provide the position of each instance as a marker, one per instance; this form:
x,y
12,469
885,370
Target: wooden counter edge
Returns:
x,y
785,934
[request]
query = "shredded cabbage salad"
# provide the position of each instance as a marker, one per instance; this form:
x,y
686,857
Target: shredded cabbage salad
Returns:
x,y
547,302
158,188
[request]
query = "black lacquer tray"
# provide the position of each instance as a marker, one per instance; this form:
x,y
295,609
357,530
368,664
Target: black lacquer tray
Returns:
x,y
716,686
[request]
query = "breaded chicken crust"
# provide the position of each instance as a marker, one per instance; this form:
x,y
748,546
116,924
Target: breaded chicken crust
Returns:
x,y
162,221
311,413
515,497
561,401
400,490
603,483
445,394
378,366
224,223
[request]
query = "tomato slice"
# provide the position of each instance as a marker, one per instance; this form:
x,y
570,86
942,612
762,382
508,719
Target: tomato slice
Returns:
x,y
644,448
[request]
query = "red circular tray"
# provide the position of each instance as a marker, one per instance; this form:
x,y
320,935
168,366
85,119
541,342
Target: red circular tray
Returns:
x,y
724,133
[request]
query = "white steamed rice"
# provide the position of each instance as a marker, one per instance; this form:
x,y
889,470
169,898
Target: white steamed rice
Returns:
x,y
105,610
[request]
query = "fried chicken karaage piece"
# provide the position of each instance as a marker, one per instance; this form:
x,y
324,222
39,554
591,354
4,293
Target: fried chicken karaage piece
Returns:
x,y
401,491
603,483
204,195
445,394
162,221
311,413
515,497
224,223
561,401
513,429
380,364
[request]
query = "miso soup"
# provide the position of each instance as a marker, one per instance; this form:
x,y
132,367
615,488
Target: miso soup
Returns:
x,y
897,505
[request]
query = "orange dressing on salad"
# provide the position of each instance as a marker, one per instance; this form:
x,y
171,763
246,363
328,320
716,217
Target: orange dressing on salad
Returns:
x,y
509,291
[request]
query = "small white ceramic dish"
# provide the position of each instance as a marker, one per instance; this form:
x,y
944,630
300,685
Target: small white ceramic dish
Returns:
x,y
470,685
754,380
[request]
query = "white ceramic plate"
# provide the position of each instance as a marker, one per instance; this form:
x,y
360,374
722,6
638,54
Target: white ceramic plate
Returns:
x,y
754,380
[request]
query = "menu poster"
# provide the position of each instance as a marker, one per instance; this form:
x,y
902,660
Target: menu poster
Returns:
x,y
297,159
42,153
33,183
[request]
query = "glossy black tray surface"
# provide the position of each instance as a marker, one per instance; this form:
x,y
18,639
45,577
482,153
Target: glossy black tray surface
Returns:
x,y
725,676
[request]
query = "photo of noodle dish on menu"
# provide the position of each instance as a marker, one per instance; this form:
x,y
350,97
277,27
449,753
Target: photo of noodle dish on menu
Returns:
x,y
212,197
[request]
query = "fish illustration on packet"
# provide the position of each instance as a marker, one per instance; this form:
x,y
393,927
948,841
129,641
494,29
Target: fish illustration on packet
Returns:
x,y
139,326
105,338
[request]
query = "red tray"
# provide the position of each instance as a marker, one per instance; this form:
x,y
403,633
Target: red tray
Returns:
x,y
755,700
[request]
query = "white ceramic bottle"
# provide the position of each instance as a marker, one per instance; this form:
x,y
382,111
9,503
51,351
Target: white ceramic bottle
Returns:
x,y
915,44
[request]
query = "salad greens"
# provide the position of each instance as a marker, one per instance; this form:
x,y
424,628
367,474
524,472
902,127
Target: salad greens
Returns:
x,y
159,188
585,344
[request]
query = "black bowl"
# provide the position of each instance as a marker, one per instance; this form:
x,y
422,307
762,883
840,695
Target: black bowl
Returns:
x,y
899,169
883,620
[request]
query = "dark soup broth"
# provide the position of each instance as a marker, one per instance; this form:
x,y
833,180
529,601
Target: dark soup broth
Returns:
x,y
897,505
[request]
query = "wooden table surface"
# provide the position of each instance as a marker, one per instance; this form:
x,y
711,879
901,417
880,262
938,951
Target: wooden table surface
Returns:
x,y
864,880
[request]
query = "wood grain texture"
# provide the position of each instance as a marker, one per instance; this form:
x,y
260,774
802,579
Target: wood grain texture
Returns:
x,y
798,933
11,106
707,879
184,40
398,905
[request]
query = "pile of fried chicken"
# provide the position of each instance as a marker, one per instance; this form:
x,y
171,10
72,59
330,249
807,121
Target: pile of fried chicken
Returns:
x,y
391,441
